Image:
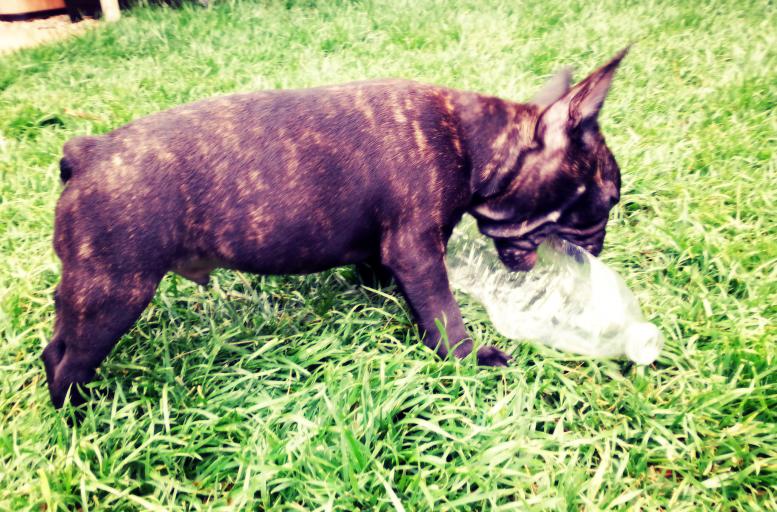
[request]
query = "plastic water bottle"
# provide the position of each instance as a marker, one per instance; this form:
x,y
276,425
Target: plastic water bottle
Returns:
x,y
570,300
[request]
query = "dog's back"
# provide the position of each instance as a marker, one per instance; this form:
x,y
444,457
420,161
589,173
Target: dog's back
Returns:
x,y
273,182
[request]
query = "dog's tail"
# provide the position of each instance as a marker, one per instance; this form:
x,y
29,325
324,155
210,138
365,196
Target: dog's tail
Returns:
x,y
75,155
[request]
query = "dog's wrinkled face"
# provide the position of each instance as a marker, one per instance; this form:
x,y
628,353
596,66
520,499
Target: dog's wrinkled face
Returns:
x,y
565,183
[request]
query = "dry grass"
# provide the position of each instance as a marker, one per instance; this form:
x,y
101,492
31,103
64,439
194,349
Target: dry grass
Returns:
x,y
22,34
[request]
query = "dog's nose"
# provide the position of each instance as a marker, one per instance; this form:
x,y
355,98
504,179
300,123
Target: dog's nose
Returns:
x,y
595,249
595,244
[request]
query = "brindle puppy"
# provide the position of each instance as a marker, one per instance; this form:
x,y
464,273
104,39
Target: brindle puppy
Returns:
x,y
285,182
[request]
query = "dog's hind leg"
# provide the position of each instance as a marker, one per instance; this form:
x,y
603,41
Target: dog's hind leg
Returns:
x,y
94,308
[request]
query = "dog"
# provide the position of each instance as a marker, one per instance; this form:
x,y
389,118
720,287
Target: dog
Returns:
x,y
372,173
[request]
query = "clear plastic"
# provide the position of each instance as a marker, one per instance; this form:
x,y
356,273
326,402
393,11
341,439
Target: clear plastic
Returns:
x,y
570,300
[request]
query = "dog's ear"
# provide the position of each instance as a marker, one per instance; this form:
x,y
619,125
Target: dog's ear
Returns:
x,y
579,105
588,96
554,89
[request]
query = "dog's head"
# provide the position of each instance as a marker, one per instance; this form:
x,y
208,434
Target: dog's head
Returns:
x,y
564,182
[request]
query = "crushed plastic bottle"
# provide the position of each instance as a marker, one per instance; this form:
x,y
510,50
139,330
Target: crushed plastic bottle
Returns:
x,y
570,300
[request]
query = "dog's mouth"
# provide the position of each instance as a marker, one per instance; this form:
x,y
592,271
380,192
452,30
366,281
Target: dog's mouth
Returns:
x,y
517,248
591,239
520,255
517,256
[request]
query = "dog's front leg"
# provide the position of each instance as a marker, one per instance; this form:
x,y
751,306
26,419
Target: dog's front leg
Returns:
x,y
418,265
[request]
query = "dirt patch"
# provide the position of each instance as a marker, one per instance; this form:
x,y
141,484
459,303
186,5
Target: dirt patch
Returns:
x,y
22,34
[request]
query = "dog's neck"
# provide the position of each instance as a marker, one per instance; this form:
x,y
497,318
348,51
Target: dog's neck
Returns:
x,y
495,135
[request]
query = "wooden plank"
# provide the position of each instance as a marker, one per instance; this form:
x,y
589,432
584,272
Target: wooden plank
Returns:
x,y
25,6
110,9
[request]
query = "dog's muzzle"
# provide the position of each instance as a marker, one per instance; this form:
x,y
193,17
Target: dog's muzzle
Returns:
x,y
591,238
517,258
517,247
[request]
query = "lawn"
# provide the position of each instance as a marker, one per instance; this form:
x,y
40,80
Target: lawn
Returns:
x,y
313,392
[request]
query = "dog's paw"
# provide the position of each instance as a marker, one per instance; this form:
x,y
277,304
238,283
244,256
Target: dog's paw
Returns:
x,y
492,356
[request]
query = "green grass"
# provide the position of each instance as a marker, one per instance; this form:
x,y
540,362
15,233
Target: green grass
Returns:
x,y
304,393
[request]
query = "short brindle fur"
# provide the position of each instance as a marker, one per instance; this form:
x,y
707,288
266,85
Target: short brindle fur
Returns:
x,y
372,173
